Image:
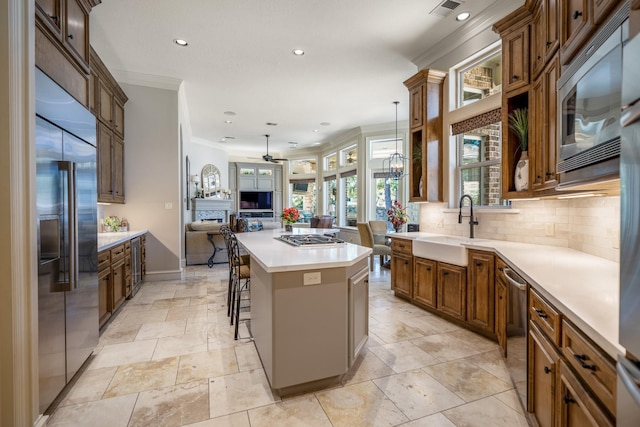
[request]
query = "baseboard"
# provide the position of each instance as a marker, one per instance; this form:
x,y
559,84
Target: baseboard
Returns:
x,y
158,276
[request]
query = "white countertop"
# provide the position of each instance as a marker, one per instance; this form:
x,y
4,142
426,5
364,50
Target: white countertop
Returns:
x,y
585,288
109,240
276,256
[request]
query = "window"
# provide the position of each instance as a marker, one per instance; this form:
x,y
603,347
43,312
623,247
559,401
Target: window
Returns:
x,y
349,156
383,148
331,162
349,185
386,190
480,79
330,195
303,197
479,164
303,166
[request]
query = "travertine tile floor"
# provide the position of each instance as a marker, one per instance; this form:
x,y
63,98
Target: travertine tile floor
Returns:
x,y
169,359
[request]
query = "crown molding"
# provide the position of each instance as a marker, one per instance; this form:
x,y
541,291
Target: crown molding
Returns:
x,y
148,80
478,28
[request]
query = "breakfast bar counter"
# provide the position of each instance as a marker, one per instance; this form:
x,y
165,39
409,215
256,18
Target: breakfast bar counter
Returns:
x,y
309,308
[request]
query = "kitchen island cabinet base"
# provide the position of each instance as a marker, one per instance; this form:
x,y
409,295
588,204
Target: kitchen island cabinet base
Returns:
x,y
303,333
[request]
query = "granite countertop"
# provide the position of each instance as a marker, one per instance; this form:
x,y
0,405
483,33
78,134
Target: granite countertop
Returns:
x,y
109,240
276,256
584,287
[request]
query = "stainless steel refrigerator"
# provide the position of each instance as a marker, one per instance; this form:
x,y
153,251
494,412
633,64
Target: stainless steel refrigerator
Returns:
x,y
628,367
66,198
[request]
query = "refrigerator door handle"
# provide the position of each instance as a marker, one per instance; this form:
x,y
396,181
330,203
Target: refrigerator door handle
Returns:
x,y
629,382
630,114
68,265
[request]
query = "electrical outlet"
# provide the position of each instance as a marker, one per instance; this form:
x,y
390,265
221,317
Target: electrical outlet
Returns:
x,y
314,278
549,229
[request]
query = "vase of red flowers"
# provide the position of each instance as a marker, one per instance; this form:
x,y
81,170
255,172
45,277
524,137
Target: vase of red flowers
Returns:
x,y
397,215
288,217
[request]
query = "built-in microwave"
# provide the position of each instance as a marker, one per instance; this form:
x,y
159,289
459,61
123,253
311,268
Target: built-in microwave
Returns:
x,y
589,98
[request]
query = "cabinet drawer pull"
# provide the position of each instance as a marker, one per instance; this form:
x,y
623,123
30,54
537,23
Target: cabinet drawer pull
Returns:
x,y
540,313
568,399
55,18
576,14
70,36
581,358
547,370
478,264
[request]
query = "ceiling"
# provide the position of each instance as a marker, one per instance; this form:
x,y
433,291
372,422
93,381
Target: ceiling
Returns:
x,y
239,59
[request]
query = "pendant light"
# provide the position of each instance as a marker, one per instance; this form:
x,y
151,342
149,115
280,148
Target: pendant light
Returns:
x,y
395,164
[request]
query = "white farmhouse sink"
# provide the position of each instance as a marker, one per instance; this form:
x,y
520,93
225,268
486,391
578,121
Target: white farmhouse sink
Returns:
x,y
447,249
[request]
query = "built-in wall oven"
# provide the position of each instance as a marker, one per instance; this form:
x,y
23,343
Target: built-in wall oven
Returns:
x,y
589,94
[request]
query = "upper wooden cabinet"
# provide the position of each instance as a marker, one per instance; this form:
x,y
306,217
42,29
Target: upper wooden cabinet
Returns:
x,y
68,22
425,138
575,27
515,65
107,103
543,120
544,34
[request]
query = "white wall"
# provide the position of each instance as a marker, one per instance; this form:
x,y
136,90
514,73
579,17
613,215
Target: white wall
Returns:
x,y
153,180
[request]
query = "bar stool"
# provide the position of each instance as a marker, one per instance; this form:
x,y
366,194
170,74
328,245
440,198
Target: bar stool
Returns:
x,y
239,285
229,235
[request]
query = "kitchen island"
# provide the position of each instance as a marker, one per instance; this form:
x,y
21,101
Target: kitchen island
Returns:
x,y
309,308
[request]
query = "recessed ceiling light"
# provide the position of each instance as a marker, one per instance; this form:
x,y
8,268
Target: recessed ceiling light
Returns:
x,y
229,113
271,124
228,122
298,52
316,143
316,130
180,42
463,16
325,124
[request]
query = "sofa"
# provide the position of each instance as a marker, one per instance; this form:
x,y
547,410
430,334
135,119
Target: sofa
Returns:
x,y
197,246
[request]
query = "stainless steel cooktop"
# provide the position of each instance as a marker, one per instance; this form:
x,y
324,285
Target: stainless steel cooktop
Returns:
x,y
310,240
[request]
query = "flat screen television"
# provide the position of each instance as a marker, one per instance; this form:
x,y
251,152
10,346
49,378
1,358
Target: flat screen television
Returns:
x,y
257,200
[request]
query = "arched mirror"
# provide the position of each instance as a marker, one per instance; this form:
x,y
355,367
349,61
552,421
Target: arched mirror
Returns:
x,y
211,185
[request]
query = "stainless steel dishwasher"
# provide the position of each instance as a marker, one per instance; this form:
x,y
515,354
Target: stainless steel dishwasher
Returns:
x,y
517,327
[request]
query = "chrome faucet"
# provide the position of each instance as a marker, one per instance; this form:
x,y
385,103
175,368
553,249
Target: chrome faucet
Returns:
x,y
472,221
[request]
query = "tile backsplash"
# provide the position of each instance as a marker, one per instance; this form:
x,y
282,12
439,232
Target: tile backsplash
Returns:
x,y
590,225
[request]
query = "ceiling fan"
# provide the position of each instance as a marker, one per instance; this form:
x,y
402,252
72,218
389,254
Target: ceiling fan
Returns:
x,y
268,157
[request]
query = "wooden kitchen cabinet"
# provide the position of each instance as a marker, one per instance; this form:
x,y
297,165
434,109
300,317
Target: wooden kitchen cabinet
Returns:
x,y
543,129
425,288
542,363
452,290
575,27
104,287
402,274
575,406
544,34
480,290
426,147
515,57
108,105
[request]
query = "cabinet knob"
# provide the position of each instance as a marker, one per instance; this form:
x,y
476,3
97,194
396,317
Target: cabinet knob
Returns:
x,y
548,43
428,268
549,175
70,36
478,264
445,273
500,269
406,262
567,399
55,18
515,77
547,370
577,14
539,57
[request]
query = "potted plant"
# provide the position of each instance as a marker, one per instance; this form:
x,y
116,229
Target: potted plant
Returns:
x,y
288,217
519,124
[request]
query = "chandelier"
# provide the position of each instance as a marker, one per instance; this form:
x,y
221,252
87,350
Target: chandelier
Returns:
x,y
394,166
